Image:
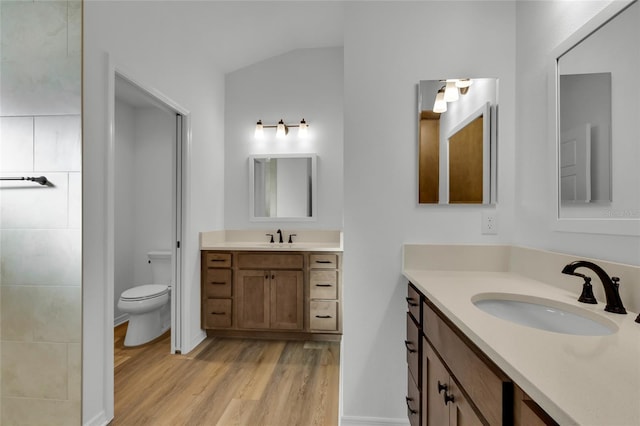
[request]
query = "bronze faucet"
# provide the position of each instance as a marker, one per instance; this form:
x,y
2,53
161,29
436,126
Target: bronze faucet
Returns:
x,y
610,284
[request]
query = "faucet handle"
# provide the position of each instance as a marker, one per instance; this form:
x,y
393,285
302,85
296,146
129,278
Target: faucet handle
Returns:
x,y
587,292
616,281
291,239
270,235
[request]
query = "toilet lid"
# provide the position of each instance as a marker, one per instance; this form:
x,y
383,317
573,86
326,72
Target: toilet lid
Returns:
x,y
143,292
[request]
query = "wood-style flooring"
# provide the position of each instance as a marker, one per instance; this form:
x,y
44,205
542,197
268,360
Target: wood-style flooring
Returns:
x,y
227,382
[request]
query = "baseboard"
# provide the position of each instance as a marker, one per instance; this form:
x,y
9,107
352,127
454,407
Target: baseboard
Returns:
x,y
120,319
99,420
197,339
371,421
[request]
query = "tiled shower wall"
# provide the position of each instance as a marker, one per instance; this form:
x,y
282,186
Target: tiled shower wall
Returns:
x,y
40,227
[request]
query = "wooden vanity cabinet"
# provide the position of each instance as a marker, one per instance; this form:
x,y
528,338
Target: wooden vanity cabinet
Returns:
x,y
459,384
292,295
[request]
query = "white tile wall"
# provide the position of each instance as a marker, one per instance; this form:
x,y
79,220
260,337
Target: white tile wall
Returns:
x,y
40,227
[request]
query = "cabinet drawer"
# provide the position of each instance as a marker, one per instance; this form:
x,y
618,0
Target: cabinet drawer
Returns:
x,y
218,313
413,402
320,261
323,284
270,261
218,260
485,387
413,348
323,315
413,303
217,283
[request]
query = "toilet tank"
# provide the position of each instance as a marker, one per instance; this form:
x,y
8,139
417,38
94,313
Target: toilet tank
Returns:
x,y
160,267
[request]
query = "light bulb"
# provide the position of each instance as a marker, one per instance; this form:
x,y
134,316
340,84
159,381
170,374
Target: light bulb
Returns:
x,y
281,130
451,92
463,82
303,129
440,105
259,130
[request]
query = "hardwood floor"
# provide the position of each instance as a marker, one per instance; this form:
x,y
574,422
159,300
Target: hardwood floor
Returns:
x,y
227,382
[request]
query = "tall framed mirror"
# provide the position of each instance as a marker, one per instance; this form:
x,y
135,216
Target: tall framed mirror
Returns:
x,y
595,128
283,187
457,141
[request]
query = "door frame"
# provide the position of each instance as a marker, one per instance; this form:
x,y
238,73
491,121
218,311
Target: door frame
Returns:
x,y
180,199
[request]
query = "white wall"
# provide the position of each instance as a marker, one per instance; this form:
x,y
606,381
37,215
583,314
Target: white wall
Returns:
x,y
541,27
144,143
305,83
154,57
389,47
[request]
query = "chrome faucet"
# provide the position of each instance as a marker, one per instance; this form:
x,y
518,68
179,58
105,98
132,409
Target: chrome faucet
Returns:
x,y
610,284
279,232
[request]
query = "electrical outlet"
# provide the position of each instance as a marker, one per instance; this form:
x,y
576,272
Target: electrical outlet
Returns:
x,y
489,223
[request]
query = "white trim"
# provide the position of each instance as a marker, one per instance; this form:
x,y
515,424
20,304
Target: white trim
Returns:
x,y
99,420
372,421
120,319
609,226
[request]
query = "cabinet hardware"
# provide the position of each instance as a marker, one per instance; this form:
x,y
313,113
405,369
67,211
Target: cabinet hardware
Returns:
x,y
218,313
273,277
217,260
447,398
323,261
410,301
442,387
411,410
218,282
324,316
411,349
323,285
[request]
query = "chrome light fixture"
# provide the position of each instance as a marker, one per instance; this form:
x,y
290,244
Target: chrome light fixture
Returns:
x,y
282,129
450,92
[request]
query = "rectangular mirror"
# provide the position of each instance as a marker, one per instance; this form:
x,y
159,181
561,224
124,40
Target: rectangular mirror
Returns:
x,y
596,106
457,141
282,187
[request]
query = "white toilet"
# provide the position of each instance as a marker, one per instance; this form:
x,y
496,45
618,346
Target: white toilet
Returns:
x,y
148,305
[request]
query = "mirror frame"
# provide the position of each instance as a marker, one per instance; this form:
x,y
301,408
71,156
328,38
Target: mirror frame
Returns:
x,y
613,226
314,189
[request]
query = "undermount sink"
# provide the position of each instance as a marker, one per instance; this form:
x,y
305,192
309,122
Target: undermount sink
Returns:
x,y
544,314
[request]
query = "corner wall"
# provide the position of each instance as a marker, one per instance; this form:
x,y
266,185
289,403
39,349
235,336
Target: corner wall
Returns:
x,y
389,47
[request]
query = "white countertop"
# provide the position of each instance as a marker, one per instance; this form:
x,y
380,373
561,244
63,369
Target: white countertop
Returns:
x,y
586,380
257,240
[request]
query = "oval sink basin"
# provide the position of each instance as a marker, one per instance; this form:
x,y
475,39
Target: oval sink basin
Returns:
x,y
544,314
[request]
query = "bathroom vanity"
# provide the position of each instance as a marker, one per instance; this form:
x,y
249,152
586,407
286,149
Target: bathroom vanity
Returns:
x,y
466,366
262,289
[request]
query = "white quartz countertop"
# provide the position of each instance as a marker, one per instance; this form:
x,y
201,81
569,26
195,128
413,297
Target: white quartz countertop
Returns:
x,y
257,240
585,380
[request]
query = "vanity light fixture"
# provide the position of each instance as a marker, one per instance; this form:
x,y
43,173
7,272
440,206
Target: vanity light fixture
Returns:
x,y
282,129
440,105
450,92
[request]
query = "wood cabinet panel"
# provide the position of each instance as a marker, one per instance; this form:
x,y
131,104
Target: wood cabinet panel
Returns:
x,y
481,383
287,300
323,284
218,313
413,402
414,304
217,283
528,413
318,261
217,260
253,299
270,261
323,315
412,344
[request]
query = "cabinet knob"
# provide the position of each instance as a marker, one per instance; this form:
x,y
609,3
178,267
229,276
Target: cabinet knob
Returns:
x,y
442,387
410,347
410,301
447,398
411,410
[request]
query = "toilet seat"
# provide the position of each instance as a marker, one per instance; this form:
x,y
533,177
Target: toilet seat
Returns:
x,y
144,292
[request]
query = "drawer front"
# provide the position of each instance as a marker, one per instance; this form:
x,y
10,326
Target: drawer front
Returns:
x,y
217,283
218,260
323,284
323,316
218,313
323,261
489,391
270,261
413,303
412,344
413,402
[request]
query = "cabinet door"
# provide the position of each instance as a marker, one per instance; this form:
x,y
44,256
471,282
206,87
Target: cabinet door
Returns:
x,y
435,384
287,302
253,299
460,411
